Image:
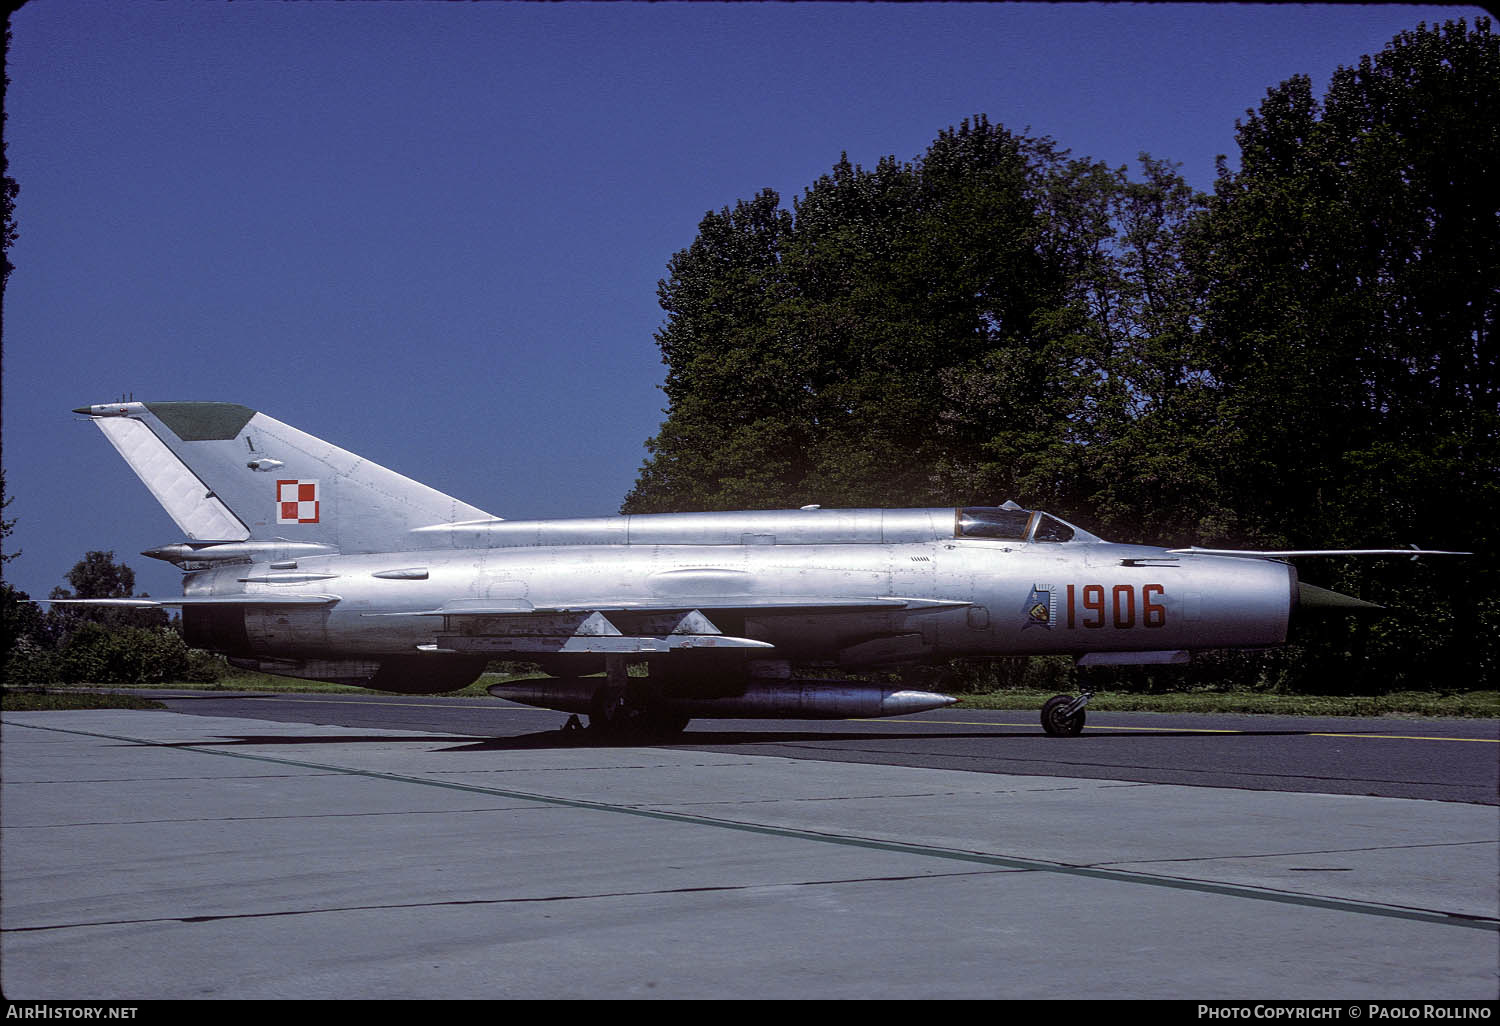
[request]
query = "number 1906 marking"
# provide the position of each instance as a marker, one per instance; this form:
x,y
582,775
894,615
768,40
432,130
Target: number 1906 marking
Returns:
x,y
1119,608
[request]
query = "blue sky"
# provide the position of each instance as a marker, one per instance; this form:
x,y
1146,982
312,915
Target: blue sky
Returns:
x,y
431,233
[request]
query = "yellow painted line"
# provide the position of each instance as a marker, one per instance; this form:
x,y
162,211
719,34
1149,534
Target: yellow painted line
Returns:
x,y
1410,737
1197,730
419,705
1174,730
1037,725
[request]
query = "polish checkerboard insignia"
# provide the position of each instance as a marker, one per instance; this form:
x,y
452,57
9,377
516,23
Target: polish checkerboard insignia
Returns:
x,y
296,502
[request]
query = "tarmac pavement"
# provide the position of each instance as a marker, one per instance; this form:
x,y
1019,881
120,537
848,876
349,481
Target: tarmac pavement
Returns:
x,y
158,855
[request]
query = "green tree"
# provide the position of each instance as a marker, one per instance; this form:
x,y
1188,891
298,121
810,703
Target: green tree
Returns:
x,y
9,190
97,575
19,616
733,436
1350,271
6,526
71,644
1155,442
806,351
1097,406
993,319
122,654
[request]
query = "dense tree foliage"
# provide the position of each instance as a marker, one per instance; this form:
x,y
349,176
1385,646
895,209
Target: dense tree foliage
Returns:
x,y
9,190
1306,357
97,575
73,645
995,319
1350,273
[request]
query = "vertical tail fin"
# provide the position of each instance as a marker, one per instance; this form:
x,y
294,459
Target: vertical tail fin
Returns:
x,y
225,472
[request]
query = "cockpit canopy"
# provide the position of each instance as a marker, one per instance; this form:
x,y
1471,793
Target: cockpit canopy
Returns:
x,y
1012,523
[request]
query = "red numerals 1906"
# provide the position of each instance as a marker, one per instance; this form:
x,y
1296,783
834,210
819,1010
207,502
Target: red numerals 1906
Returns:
x,y
1120,606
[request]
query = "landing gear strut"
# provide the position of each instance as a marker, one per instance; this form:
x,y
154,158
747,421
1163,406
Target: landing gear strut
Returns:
x,y
624,709
1063,715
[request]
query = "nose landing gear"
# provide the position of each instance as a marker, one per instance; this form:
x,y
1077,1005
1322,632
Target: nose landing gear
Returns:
x,y
1063,715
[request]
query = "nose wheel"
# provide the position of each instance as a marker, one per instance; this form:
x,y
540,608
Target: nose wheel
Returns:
x,y
1063,715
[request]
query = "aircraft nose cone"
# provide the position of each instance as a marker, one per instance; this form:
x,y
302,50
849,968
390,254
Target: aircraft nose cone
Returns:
x,y
1313,599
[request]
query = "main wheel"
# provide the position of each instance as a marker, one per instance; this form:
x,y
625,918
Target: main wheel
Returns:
x,y
1055,723
663,724
608,713
615,718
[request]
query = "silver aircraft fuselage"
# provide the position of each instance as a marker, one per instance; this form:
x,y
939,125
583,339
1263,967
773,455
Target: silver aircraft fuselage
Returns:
x,y
850,588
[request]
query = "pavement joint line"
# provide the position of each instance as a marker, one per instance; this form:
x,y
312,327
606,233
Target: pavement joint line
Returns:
x,y
870,844
321,816
534,899
1300,854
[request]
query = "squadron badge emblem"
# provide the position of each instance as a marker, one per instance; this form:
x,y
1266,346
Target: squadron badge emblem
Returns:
x,y
1038,610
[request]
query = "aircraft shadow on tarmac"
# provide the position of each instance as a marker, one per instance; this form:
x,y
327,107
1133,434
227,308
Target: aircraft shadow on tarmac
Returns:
x,y
559,739
728,738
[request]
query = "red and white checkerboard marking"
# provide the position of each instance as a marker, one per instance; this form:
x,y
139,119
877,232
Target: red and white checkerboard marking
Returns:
x,y
296,502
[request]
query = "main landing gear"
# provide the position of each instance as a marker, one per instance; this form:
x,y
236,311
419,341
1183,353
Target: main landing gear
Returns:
x,y
1063,715
623,710
629,724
